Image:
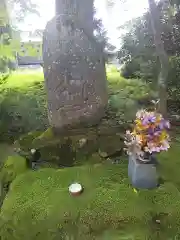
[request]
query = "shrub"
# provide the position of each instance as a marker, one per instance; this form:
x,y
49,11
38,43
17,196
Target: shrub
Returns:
x,y
127,95
110,68
3,64
135,89
125,108
174,78
130,69
147,70
23,105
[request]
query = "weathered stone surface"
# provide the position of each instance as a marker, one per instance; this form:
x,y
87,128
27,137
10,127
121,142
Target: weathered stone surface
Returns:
x,y
66,149
74,71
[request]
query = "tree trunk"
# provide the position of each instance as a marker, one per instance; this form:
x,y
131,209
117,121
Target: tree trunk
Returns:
x,y
163,58
81,9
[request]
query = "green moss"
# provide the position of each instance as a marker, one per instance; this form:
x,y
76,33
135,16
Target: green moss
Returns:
x,y
25,142
13,166
89,159
60,154
5,151
110,144
45,138
77,147
39,206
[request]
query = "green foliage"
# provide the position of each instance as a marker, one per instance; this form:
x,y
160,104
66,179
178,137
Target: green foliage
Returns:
x,y
23,7
138,48
39,205
25,142
23,105
5,151
3,64
8,46
110,68
6,64
125,108
174,78
130,69
134,89
149,72
9,43
100,32
127,96
33,49
13,166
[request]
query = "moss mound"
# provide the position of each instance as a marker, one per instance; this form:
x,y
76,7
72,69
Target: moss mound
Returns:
x,y
39,206
13,166
73,146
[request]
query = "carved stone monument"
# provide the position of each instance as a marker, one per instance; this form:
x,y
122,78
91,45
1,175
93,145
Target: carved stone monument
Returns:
x,y
74,66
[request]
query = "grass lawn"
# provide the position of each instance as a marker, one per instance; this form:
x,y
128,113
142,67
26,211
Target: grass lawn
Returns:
x,y
23,79
38,205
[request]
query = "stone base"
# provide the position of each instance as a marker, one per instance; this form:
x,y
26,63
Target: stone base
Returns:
x,y
73,146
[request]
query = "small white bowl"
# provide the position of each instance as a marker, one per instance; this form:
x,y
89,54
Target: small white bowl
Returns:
x,y
75,189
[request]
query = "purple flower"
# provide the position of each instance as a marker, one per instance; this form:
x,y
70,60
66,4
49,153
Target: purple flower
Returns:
x,y
157,129
150,131
157,133
167,124
148,119
161,125
152,119
164,124
145,121
150,137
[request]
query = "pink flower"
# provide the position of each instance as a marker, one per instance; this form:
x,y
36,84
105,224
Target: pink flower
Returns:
x,y
157,149
163,148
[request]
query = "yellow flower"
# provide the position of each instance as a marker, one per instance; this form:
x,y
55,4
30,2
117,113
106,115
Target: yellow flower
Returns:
x,y
138,122
163,135
134,132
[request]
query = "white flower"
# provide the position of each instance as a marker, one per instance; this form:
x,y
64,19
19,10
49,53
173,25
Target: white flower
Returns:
x,y
155,101
146,149
33,151
128,132
140,113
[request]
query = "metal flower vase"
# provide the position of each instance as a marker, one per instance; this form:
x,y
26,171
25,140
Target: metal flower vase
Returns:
x,y
143,175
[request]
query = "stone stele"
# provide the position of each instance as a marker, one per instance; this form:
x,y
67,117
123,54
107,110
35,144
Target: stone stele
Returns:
x,y
74,69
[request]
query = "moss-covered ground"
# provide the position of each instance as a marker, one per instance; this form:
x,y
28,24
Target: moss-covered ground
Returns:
x,y
38,204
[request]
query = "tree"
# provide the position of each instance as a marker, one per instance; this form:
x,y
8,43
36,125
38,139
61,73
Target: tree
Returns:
x,y
163,58
100,32
24,7
9,42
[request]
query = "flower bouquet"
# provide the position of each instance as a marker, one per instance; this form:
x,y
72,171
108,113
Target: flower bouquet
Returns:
x,y
149,136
